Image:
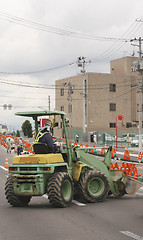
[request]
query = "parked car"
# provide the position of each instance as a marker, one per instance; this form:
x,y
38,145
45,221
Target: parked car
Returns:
x,y
135,141
109,137
128,137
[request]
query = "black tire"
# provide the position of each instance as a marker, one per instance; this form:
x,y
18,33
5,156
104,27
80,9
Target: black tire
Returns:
x,y
60,189
93,186
13,199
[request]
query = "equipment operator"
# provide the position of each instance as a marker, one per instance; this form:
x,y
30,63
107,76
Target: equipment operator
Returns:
x,y
44,136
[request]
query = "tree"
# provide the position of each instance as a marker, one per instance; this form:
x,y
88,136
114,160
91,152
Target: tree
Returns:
x,y
13,133
18,133
27,129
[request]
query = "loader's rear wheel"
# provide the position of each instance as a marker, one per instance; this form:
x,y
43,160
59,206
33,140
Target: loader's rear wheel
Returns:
x,y
93,186
13,199
60,189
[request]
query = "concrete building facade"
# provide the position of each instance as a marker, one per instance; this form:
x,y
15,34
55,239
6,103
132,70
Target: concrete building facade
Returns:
x,y
106,97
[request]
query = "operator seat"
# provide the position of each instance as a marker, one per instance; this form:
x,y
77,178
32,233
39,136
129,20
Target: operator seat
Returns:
x,y
41,148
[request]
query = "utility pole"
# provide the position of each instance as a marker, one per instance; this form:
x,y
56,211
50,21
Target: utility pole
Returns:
x,y
69,98
70,91
138,66
81,63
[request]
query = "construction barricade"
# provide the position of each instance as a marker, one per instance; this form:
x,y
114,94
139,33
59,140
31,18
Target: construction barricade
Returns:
x,y
140,156
126,154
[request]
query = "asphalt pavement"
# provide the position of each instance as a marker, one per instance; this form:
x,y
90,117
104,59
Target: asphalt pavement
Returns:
x,y
112,219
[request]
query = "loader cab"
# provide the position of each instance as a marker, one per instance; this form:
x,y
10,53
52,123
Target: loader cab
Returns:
x,y
62,124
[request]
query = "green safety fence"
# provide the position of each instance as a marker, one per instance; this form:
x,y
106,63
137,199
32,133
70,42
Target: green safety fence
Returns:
x,y
102,138
122,139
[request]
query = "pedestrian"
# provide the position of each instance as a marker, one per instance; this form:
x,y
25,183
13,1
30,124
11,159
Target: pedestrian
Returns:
x,y
20,147
9,146
77,138
45,138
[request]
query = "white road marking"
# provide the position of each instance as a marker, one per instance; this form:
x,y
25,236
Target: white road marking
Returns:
x,y
132,235
45,196
139,194
74,201
4,168
78,203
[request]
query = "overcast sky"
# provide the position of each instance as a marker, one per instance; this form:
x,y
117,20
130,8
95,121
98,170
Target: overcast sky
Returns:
x,y
49,35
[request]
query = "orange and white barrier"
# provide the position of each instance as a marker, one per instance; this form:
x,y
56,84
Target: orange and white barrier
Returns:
x,y
126,154
6,163
140,156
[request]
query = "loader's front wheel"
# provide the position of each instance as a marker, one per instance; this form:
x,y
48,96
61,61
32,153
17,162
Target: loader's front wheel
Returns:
x,y
60,189
13,199
93,186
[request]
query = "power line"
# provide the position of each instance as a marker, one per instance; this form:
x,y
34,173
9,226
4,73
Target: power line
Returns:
x,y
38,71
118,96
42,27
24,84
115,47
53,87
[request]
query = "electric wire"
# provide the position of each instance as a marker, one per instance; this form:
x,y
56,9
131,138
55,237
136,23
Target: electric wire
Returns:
x,y
118,96
100,58
37,71
116,46
35,25
20,84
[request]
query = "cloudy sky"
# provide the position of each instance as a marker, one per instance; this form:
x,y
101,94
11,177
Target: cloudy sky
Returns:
x,y
41,40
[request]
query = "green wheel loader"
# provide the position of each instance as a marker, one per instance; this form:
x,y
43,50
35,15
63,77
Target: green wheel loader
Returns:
x,y
72,172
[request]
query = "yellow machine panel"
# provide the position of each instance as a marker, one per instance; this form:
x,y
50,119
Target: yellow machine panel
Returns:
x,y
38,158
77,171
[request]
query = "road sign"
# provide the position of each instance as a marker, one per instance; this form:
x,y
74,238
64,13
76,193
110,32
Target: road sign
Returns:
x,y
120,117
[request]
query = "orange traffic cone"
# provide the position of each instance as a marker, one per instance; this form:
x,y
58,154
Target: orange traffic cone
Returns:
x,y
75,144
123,167
126,154
114,152
6,163
140,156
102,151
64,142
93,149
116,166
106,148
111,167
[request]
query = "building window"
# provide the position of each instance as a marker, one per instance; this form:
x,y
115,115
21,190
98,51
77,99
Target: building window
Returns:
x,y
112,106
70,108
138,107
128,125
112,87
112,125
62,91
62,108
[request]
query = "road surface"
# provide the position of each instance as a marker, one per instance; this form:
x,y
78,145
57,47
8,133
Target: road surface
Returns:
x,y
113,219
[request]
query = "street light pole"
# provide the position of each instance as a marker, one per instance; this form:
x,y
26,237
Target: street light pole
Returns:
x,y
116,134
120,118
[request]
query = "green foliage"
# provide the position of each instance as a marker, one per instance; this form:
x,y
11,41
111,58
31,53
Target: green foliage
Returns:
x,y
13,133
17,133
27,129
